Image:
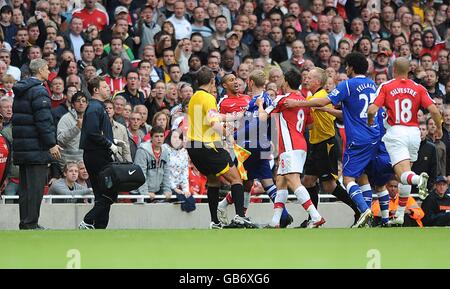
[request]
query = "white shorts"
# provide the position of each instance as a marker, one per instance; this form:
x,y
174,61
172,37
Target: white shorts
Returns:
x,y
402,143
291,162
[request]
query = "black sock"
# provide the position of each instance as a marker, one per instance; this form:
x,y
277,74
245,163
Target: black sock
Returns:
x,y
343,196
237,192
213,202
314,195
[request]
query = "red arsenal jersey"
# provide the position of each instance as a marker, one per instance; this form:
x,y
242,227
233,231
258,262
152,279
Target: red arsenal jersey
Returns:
x,y
292,123
97,17
434,51
4,153
233,103
402,99
115,84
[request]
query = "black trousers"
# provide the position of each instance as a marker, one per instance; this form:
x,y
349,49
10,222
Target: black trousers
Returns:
x,y
443,220
99,214
32,180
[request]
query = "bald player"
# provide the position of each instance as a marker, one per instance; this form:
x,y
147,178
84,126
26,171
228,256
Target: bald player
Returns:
x,y
402,99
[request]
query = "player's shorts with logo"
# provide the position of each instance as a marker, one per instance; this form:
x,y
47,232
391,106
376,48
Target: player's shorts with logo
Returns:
x,y
291,162
402,143
322,160
209,159
257,166
357,157
380,169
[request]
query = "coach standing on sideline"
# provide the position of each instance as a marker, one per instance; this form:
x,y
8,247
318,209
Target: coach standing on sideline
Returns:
x,y
34,141
97,141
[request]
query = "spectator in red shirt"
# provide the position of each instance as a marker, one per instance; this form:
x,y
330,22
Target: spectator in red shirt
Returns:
x,y
197,182
115,78
57,89
430,46
92,15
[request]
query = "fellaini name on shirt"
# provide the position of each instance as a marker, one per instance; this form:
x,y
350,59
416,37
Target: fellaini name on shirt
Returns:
x,y
366,85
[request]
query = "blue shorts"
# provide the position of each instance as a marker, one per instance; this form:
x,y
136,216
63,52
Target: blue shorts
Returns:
x,y
357,158
380,169
257,168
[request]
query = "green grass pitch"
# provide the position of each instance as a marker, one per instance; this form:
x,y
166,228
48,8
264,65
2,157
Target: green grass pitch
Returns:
x,y
192,249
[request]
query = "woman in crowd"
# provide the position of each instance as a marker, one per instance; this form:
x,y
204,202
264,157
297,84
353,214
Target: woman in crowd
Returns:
x,y
178,163
115,78
68,184
161,119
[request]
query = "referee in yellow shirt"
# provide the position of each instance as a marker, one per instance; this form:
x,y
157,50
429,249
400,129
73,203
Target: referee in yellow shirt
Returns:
x,y
322,160
205,131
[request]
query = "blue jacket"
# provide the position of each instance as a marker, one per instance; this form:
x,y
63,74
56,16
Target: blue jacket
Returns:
x,y
33,128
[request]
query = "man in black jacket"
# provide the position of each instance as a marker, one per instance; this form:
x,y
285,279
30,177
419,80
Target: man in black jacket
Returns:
x,y
283,51
437,205
426,160
34,141
131,91
98,144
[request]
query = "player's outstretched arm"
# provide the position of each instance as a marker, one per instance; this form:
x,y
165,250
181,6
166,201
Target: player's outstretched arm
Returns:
x,y
334,112
371,112
231,116
316,102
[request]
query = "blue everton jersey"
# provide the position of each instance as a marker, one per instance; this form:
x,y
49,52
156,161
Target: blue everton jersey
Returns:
x,y
254,135
381,118
355,95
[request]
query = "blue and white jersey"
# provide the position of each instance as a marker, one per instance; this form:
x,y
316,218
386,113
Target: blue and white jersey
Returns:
x,y
252,134
382,119
355,95
252,107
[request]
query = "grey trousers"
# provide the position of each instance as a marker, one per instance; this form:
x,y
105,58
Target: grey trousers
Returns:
x,y
33,178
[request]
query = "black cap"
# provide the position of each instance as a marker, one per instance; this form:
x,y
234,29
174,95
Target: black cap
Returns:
x,y
441,179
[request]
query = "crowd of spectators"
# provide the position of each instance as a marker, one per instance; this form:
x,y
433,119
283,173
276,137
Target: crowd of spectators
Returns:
x,y
149,50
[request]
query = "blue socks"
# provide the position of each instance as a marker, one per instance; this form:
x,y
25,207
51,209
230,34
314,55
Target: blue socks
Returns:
x,y
271,191
357,197
383,199
367,194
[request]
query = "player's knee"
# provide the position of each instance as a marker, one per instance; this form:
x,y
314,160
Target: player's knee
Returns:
x,y
280,182
348,180
379,189
329,186
267,182
233,176
213,181
309,181
293,181
248,186
363,179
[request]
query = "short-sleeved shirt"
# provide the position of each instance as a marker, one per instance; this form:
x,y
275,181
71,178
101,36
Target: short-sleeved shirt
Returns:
x,y
254,135
97,17
402,99
323,127
233,103
293,122
355,95
202,112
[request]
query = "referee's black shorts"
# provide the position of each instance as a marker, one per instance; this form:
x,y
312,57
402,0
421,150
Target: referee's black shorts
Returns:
x,y
322,160
208,159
